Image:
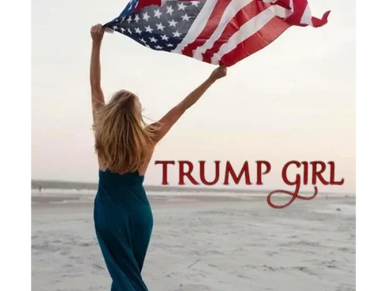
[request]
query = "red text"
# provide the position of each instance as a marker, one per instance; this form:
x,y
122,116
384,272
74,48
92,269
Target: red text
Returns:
x,y
307,173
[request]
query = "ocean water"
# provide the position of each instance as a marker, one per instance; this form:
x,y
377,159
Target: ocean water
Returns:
x,y
76,196
203,243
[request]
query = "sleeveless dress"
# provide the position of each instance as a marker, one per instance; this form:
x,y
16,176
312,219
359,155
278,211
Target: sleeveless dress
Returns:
x,y
123,223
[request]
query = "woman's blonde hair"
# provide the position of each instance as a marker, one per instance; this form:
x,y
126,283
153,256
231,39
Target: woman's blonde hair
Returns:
x,y
123,141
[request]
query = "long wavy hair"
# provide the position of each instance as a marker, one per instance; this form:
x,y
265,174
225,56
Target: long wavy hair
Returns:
x,y
123,141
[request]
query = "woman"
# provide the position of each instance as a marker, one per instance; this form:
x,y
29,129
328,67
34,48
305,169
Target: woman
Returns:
x,y
124,146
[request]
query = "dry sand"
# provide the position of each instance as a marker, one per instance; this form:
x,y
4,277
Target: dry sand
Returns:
x,y
205,244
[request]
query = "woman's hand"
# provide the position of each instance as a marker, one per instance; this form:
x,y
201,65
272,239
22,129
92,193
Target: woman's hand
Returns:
x,y
97,32
218,73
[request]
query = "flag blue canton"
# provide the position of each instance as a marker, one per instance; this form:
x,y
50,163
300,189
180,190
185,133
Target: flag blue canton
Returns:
x,y
159,28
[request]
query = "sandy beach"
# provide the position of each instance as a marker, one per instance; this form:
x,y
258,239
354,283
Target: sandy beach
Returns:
x,y
203,243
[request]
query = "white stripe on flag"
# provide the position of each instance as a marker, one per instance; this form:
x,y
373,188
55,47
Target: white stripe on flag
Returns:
x,y
248,29
197,26
307,16
281,12
229,13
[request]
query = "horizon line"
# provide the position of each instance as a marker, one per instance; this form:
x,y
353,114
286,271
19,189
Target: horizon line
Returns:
x,y
195,188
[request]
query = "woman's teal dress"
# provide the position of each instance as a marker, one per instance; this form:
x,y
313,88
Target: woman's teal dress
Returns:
x,y
123,223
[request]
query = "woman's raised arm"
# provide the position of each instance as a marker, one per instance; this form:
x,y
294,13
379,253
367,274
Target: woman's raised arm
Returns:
x,y
176,112
97,97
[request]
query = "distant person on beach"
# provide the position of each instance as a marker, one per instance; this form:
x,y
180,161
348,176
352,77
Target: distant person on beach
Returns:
x,y
124,145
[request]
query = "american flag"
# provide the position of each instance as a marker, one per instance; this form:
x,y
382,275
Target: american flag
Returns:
x,y
213,31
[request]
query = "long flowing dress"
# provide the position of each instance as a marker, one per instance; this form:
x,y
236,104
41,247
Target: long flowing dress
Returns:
x,y
123,223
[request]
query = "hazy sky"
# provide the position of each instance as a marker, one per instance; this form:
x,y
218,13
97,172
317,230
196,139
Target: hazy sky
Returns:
x,y
294,100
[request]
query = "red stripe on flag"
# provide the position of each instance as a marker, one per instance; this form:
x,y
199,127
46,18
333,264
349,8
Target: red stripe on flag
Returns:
x,y
299,7
243,16
320,22
283,3
210,27
270,32
143,3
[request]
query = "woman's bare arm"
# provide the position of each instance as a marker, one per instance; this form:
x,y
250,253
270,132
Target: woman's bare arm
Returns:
x,y
176,112
97,97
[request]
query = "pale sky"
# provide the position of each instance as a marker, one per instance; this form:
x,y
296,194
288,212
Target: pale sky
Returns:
x,y
293,100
